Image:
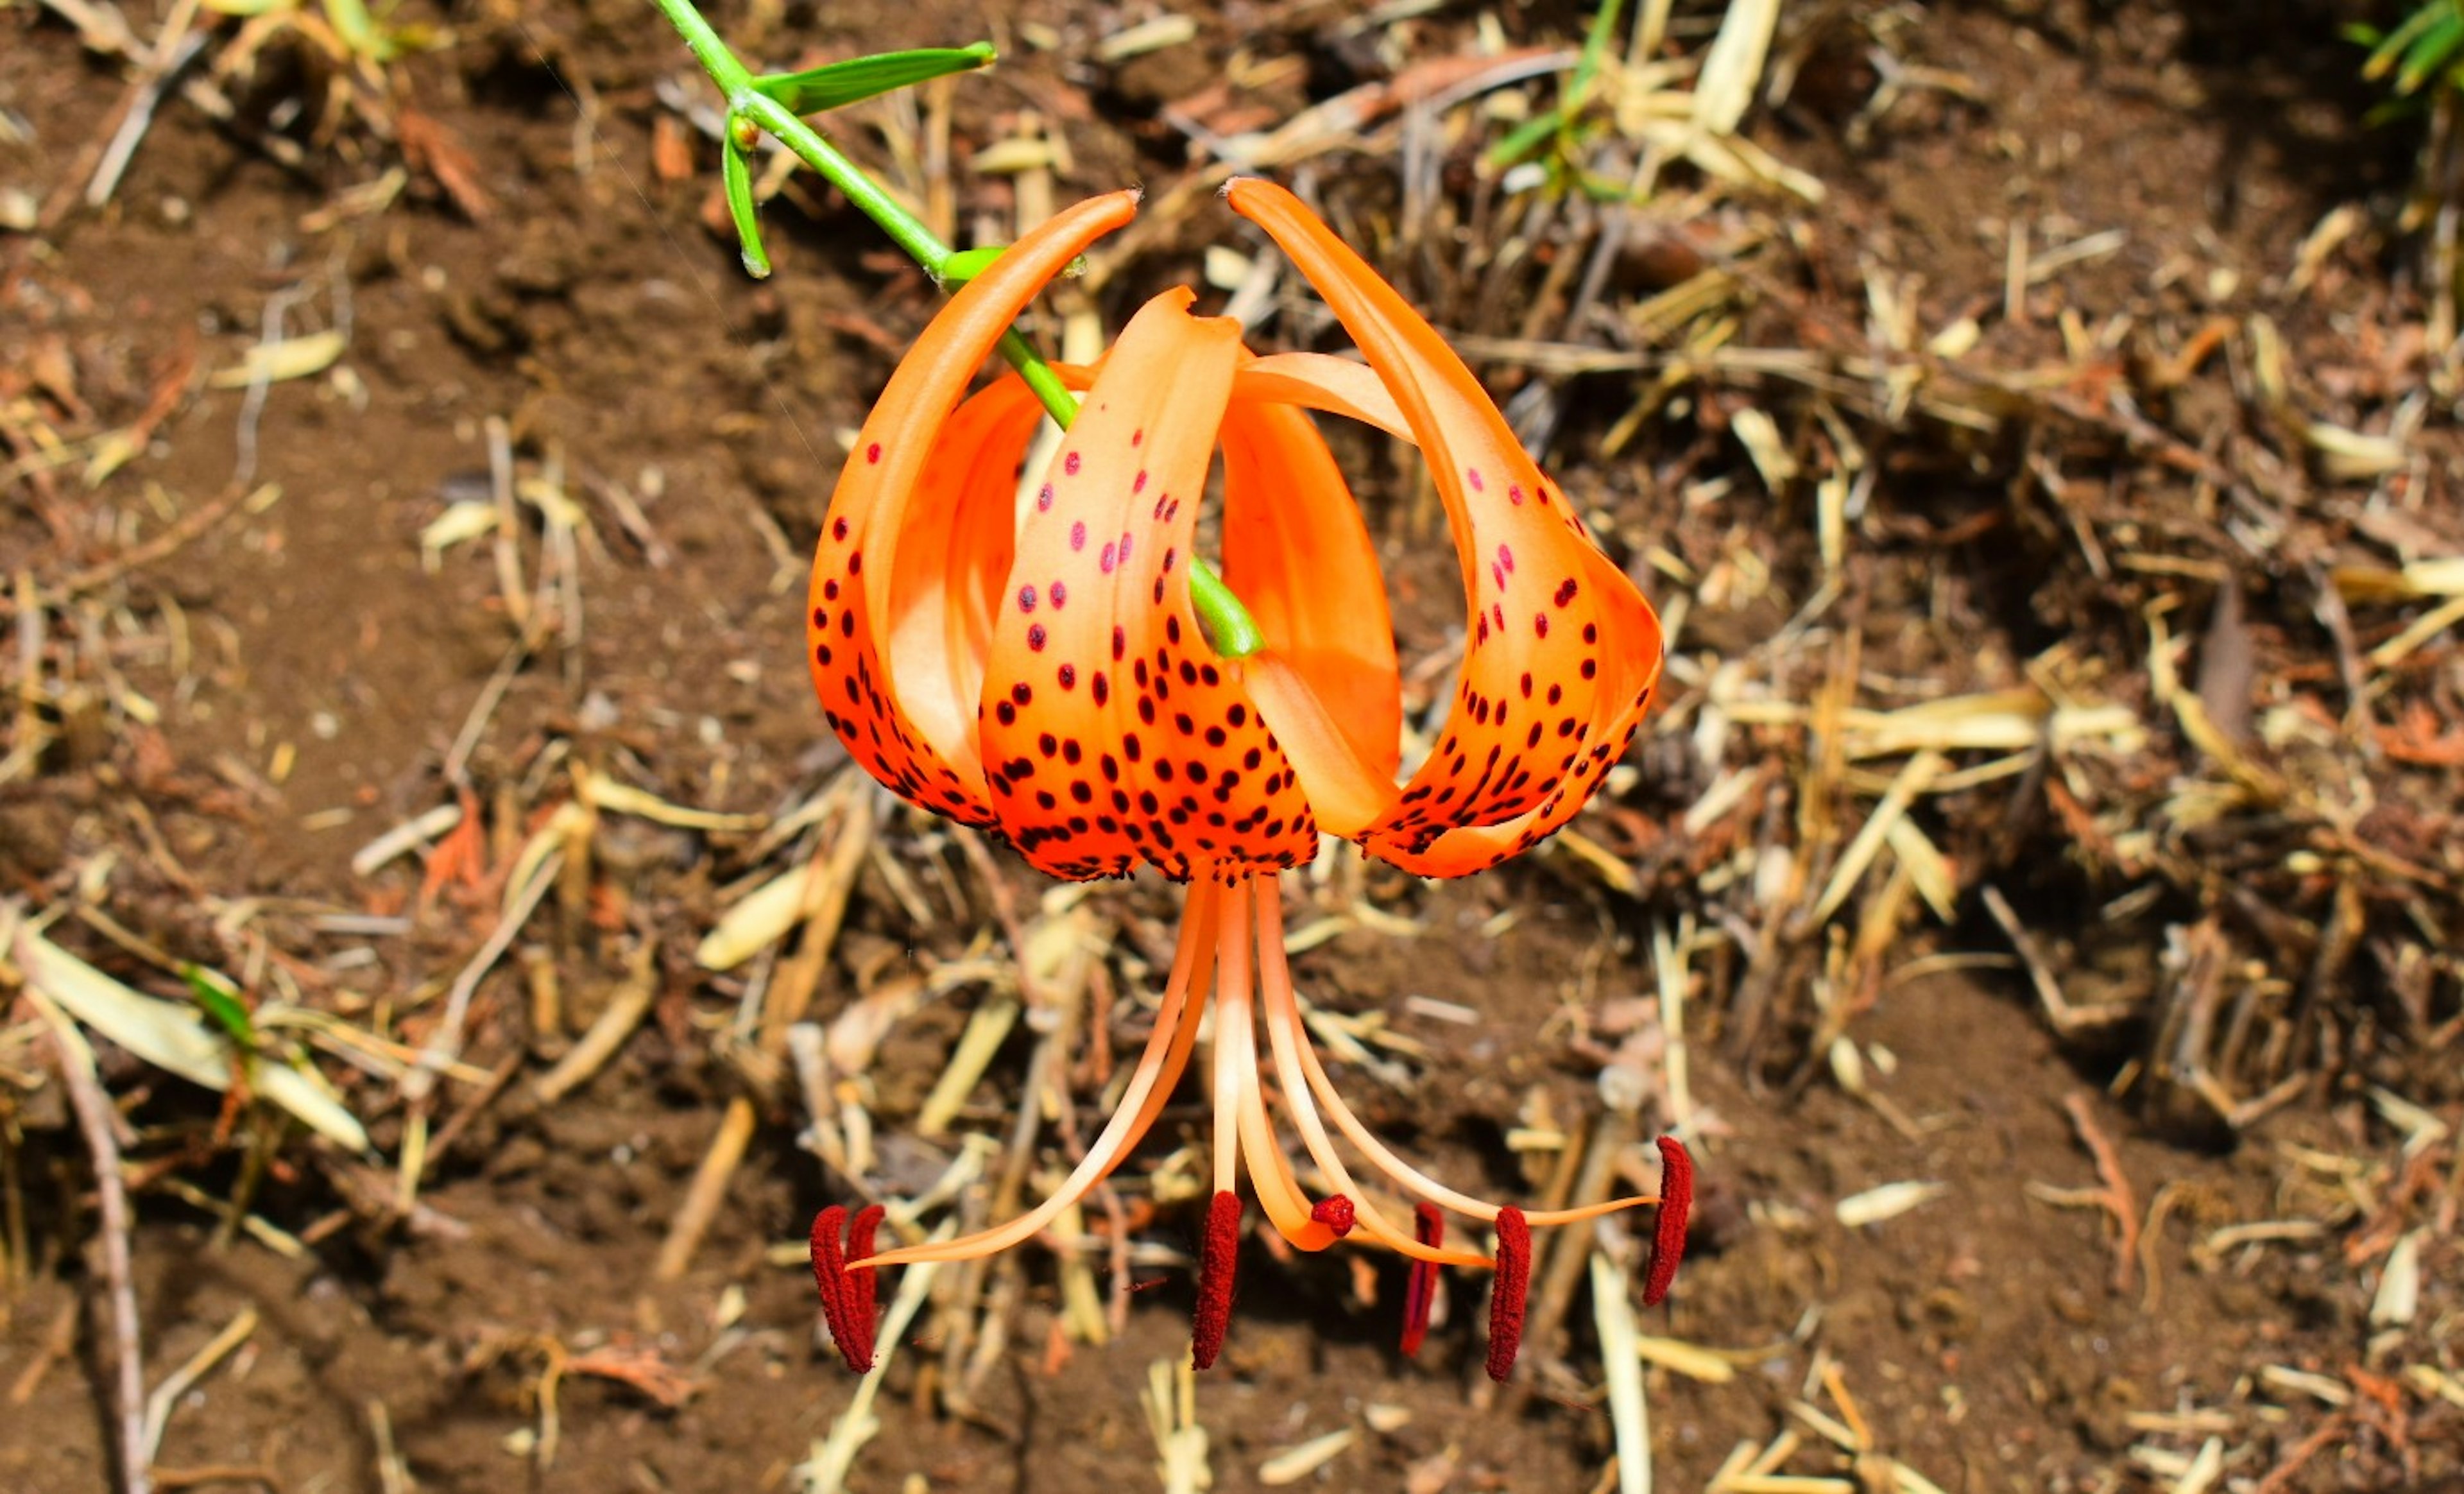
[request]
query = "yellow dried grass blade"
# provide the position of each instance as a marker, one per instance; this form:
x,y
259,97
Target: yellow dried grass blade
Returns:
x,y
272,363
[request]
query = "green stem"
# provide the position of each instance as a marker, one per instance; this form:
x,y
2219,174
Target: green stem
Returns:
x,y
1228,624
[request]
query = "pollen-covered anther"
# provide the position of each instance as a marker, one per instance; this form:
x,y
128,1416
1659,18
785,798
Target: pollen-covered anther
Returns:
x,y
1668,1238
847,1297
1513,1290
864,1284
1218,1262
1420,1291
1334,1211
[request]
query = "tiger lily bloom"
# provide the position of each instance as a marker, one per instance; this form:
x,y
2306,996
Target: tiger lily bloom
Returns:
x,y
1037,669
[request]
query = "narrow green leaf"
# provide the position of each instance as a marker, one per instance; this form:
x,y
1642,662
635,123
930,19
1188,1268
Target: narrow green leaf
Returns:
x,y
839,84
221,1004
2392,44
1528,137
735,177
1533,133
2431,53
1596,46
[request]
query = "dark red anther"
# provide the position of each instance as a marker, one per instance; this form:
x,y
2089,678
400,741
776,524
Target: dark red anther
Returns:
x,y
836,1292
863,1287
1420,1291
1333,1211
1676,1203
1512,1290
1218,1261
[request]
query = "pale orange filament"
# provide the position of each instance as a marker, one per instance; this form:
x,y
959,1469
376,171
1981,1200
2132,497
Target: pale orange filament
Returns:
x,y
1151,1085
1232,941
1236,1037
1270,940
1290,1040
1231,1028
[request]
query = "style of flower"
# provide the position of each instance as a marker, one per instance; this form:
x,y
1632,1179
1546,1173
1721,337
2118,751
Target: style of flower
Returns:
x,y
1048,679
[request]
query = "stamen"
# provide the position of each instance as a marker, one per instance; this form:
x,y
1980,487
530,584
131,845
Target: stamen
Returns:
x,y
1302,1076
1668,1238
1512,1289
1291,1043
1420,1292
1218,1261
1334,1211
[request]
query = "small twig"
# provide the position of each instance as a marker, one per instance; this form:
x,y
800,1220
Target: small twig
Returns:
x,y
1629,1412
509,554
145,96
445,1044
614,1025
158,1407
2059,1010
457,757
189,526
2115,1194
94,1116
252,405
2282,1476
828,886
393,1472
709,1190
59,1342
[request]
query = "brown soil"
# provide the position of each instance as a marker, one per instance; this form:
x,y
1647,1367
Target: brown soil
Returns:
x,y
1991,1339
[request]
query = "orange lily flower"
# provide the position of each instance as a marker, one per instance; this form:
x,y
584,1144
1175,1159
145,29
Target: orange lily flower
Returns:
x,y
1044,676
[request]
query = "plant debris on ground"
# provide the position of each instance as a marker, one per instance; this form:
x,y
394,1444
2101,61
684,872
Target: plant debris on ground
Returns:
x,y
445,962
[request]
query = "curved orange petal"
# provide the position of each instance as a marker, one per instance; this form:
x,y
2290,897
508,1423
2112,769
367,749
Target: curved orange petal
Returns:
x,y
1299,556
852,610
951,560
1554,628
1629,676
1346,791
1337,385
1110,729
